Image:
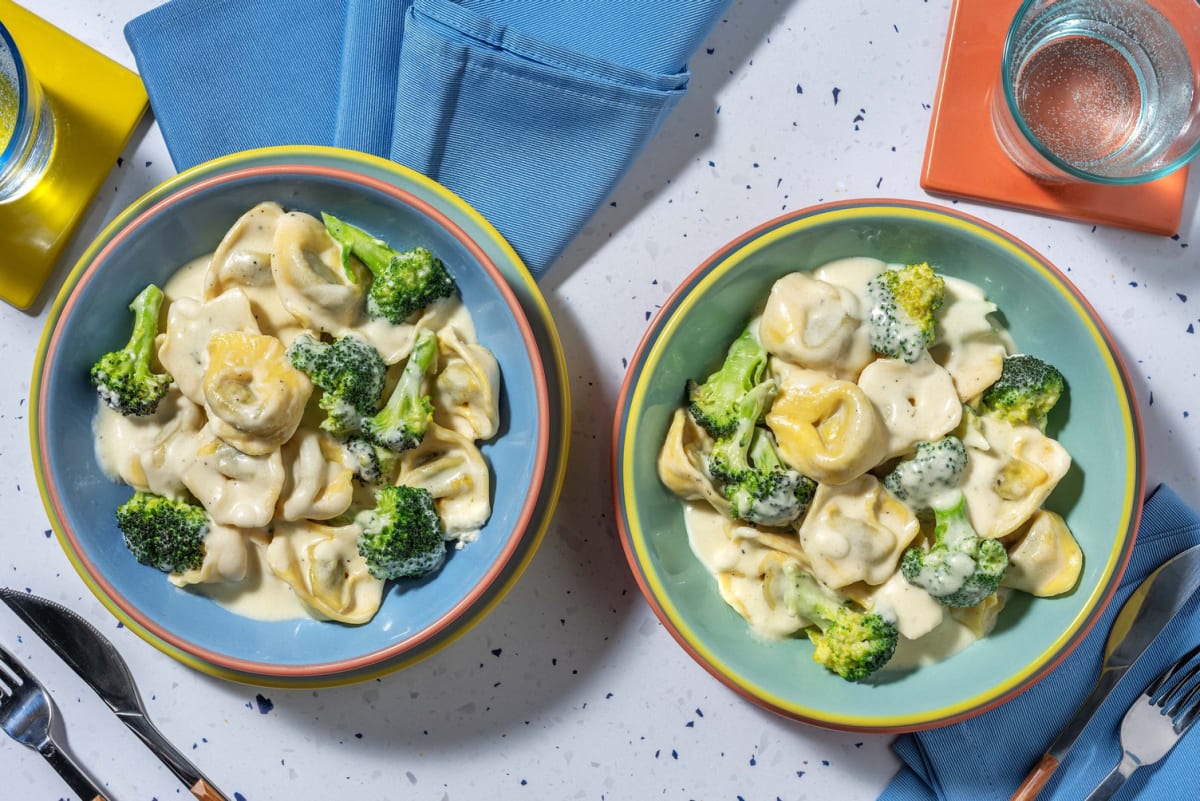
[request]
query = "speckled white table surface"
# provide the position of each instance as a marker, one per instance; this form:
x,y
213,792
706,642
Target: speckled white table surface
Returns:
x,y
571,688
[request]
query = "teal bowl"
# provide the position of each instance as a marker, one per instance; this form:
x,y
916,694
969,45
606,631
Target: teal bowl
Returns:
x,y
1100,498
185,218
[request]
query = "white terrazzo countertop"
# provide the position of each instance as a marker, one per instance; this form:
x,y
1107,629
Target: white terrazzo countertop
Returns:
x,y
571,688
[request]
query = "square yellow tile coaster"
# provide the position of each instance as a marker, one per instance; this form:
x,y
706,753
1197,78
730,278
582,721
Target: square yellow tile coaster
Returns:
x,y
96,105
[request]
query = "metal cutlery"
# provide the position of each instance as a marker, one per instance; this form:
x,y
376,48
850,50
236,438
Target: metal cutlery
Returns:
x,y
93,657
26,715
1144,615
1155,723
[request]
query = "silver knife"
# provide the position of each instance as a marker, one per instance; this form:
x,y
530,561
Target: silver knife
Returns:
x,y
1145,614
93,657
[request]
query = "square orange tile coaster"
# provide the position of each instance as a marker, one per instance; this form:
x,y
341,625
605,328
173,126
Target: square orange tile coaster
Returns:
x,y
96,104
963,158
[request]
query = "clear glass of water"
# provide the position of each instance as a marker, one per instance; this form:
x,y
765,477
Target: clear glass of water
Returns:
x,y
26,123
1106,91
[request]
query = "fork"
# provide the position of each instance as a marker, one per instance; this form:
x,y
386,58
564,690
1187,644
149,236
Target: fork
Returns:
x,y
1157,720
26,715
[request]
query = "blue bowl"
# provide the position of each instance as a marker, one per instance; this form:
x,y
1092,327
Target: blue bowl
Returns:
x,y
186,218
1100,497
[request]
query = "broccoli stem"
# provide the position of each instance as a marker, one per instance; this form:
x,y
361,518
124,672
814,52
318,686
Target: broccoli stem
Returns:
x,y
145,308
402,422
374,253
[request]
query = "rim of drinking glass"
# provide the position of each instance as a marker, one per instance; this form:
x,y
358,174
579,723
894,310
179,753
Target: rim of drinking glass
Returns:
x,y
1045,152
14,140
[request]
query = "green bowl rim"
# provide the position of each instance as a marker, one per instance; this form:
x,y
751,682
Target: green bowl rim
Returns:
x,y
648,354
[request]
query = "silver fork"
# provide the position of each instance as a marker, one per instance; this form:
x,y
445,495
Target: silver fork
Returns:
x,y
1156,722
26,715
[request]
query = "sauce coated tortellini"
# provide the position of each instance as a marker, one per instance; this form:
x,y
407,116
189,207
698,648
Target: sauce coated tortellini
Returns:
x,y
827,429
254,396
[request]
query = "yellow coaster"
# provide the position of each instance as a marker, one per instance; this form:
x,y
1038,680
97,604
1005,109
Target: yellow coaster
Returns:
x,y
96,104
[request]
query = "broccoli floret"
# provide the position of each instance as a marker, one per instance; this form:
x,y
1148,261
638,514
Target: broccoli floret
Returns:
x,y
713,404
351,373
372,464
936,467
162,532
960,568
402,423
402,537
903,301
1026,391
125,379
851,642
759,486
404,281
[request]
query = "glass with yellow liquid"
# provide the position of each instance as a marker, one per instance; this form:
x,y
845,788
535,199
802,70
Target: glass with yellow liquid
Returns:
x,y
1106,91
26,124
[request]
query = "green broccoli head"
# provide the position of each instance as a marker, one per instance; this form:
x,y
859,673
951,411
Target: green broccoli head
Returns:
x,y
1028,388
753,477
125,379
404,282
403,536
851,642
351,374
960,568
714,403
903,301
401,424
936,467
162,532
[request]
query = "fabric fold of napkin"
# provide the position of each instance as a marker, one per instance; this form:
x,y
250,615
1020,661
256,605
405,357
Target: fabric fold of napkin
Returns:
x,y
530,110
987,757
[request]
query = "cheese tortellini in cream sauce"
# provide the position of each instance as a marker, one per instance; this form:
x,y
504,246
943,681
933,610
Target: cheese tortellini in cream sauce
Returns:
x,y
239,431
843,416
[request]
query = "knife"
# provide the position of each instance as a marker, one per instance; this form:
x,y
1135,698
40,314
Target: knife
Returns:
x,y
93,657
1145,614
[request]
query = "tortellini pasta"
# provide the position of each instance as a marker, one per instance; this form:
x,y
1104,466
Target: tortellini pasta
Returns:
x,y
845,417
917,402
191,323
828,430
322,565
856,532
453,470
236,488
254,396
1046,560
466,383
1005,484
681,462
968,344
308,269
815,324
318,485
239,431
243,260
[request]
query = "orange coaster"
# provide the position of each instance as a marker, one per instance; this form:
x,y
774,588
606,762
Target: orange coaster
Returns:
x,y
96,104
963,158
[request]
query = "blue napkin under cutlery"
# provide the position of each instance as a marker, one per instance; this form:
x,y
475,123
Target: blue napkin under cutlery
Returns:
x,y
986,757
530,110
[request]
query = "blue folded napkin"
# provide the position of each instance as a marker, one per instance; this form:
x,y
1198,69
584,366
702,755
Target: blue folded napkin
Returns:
x,y
530,110
987,757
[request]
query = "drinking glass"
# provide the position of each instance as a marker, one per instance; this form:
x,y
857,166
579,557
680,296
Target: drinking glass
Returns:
x,y
26,123
1106,91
